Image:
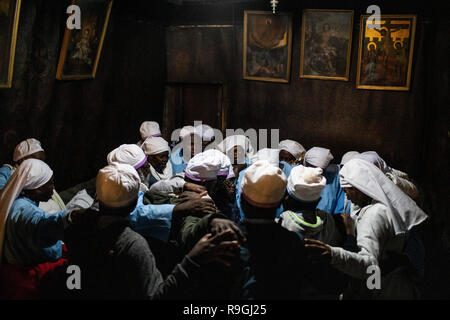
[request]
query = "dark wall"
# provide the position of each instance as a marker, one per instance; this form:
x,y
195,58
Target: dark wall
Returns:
x,y
408,129
316,112
79,122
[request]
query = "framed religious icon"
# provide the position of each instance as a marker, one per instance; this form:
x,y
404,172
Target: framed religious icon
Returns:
x,y
9,23
267,46
385,53
326,44
81,49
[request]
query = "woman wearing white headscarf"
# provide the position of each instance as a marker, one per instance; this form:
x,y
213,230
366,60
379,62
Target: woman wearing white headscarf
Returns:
x,y
149,129
157,151
133,155
291,151
384,225
28,235
348,156
333,197
30,149
318,157
238,148
185,149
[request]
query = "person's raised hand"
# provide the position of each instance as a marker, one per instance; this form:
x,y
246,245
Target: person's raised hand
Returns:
x,y
220,248
188,186
218,225
189,195
195,207
318,251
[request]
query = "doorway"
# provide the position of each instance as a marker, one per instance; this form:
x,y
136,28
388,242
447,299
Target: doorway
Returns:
x,y
185,103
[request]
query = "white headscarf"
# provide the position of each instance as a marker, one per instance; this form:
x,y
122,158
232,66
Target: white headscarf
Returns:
x,y
375,159
156,145
228,144
204,131
130,154
263,185
305,184
25,148
31,174
267,154
204,166
348,156
371,181
117,185
186,131
149,129
293,147
318,157
226,169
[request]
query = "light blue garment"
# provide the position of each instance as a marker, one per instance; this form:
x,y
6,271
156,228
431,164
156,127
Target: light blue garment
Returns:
x,y
154,220
286,169
238,194
32,235
177,161
332,197
5,174
347,204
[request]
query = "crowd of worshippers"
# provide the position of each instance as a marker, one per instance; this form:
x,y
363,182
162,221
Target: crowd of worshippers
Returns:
x,y
157,223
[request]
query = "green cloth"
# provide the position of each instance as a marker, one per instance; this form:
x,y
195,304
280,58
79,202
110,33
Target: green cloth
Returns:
x,y
156,197
193,228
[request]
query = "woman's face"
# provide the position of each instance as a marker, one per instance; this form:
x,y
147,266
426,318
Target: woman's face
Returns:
x,y
238,155
287,157
195,140
43,193
356,196
159,161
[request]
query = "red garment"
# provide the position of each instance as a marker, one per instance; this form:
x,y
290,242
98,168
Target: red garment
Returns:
x,y
20,282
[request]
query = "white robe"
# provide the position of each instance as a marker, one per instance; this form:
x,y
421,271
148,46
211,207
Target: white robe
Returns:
x,y
375,238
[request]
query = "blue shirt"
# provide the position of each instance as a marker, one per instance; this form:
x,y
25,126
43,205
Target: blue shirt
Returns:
x,y
177,161
32,236
286,167
332,196
5,174
152,220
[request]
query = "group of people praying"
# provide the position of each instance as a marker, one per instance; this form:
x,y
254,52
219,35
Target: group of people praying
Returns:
x,y
211,219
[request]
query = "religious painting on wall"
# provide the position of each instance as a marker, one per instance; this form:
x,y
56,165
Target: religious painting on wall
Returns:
x,y
81,49
326,44
386,53
267,46
9,23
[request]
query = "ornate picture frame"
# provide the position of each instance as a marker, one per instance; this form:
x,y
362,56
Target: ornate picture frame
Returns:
x,y
81,49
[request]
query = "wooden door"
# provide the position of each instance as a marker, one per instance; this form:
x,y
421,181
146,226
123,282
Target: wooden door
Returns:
x,y
189,102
